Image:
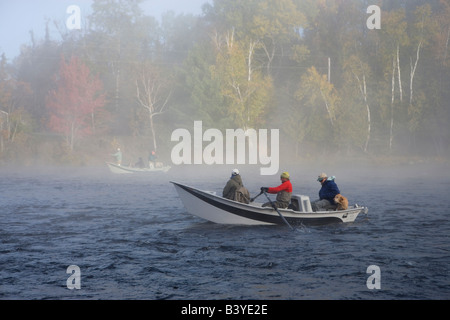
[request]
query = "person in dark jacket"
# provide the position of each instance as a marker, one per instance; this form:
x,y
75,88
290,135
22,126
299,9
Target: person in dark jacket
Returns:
x,y
283,191
233,184
327,193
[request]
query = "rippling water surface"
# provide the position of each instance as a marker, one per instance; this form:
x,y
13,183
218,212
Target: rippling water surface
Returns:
x,y
132,239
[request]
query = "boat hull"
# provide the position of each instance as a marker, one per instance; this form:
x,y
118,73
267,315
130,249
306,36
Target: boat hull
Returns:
x,y
217,209
114,168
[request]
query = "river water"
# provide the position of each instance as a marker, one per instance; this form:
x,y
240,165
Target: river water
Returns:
x,y
131,238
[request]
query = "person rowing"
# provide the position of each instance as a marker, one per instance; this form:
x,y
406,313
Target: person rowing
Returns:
x,y
283,192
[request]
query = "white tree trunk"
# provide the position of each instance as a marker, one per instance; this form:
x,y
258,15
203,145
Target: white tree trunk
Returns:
x,y
413,71
391,132
399,74
327,107
363,90
150,100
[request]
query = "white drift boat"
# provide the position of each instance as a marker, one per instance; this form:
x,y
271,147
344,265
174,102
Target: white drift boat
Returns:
x,y
115,168
209,206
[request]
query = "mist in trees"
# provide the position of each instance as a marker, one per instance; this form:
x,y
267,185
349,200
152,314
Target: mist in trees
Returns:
x,y
312,69
76,102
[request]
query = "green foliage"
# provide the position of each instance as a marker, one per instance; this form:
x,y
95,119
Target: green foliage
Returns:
x,y
319,101
256,64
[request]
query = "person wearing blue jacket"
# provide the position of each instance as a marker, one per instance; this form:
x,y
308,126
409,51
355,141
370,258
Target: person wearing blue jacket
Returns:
x,y
327,193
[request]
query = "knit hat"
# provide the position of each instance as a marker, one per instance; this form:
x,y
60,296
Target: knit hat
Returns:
x,y
235,172
285,175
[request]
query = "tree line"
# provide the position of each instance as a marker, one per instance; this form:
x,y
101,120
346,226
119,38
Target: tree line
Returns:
x,y
312,69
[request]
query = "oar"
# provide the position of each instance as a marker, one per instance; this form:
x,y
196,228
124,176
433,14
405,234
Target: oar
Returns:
x,y
253,199
273,206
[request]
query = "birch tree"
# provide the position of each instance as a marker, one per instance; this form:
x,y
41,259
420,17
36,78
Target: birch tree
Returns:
x,y
120,35
360,71
246,89
422,29
318,99
152,93
394,37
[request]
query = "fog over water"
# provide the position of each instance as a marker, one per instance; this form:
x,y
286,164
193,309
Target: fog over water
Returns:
x,y
132,239
356,91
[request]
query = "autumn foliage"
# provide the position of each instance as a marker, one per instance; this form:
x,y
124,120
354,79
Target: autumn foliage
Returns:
x,y
75,101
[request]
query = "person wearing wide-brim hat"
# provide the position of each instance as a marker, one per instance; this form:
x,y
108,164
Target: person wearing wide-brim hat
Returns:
x,y
327,193
283,191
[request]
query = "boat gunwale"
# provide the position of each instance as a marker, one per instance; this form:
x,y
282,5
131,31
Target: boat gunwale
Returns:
x,y
128,169
266,214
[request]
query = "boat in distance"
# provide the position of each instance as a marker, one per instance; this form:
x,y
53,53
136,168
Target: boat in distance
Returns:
x,y
209,206
115,168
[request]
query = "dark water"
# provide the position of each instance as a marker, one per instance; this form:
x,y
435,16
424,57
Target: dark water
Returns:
x,y
132,239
